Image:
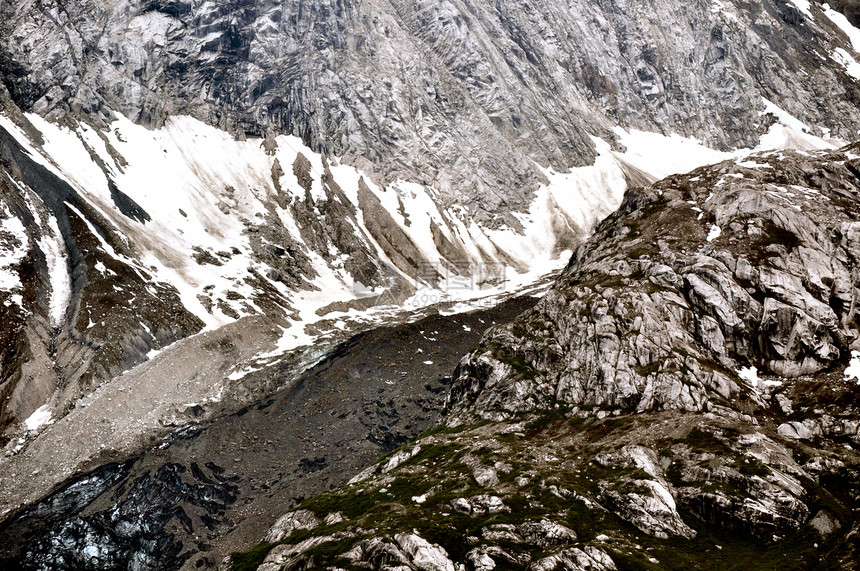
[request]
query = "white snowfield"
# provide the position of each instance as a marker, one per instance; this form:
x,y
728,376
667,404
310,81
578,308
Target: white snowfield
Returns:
x,y
202,188
847,28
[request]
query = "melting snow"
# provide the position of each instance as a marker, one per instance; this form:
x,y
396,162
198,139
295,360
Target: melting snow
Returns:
x,y
54,248
749,374
753,165
845,59
840,20
13,249
783,116
803,6
853,369
39,418
714,233
789,133
806,190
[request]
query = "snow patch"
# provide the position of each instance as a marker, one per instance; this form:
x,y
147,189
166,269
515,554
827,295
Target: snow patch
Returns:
x,y
783,116
54,248
714,233
753,165
842,22
13,248
749,374
853,369
848,63
789,133
39,418
803,6
242,373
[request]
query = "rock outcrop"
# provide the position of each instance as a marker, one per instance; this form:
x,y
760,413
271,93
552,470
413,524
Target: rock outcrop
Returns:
x,y
679,398
695,287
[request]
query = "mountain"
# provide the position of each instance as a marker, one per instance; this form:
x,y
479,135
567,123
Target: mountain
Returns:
x,y
685,396
202,201
363,150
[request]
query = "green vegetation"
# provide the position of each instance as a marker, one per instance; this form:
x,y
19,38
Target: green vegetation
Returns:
x,y
553,492
443,429
756,249
251,559
753,467
738,551
702,441
329,549
518,362
552,418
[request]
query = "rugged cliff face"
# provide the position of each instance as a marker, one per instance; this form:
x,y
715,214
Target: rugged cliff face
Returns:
x,y
463,96
685,396
748,264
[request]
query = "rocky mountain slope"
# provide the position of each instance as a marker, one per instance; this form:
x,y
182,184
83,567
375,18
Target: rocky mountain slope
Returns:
x,y
209,488
174,166
118,244
199,199
462,96
685,396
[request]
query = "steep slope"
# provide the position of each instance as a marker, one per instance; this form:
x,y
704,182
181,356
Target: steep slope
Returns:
x,y
685,396
320,187
461,96
209,488
131,239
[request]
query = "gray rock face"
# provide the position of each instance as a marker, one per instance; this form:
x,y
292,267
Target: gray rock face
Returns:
x,y
424,555
575,559
290,522
648,502
464,95
745,264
